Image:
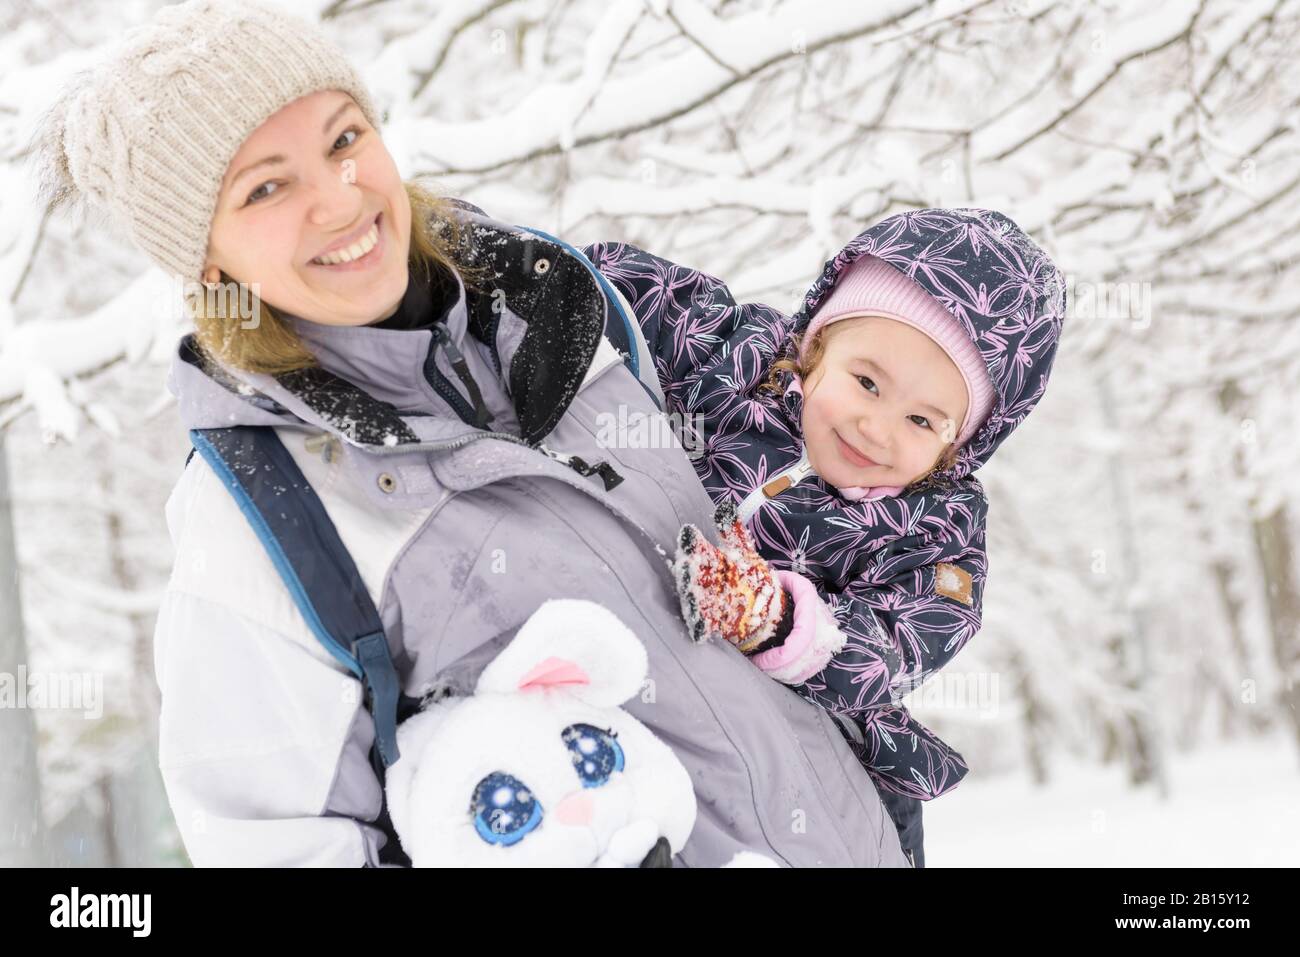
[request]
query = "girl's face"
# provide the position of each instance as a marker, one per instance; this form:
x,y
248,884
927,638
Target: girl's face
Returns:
x,y
314,180
881,405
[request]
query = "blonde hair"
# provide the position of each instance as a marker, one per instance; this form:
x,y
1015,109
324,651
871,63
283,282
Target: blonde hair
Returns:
x,y
263,342
805,366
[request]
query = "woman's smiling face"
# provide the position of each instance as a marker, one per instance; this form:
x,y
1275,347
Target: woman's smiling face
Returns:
x,y
881,405
315,180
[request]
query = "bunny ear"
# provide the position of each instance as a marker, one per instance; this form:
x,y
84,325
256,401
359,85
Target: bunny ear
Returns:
x,y
571,644
553,673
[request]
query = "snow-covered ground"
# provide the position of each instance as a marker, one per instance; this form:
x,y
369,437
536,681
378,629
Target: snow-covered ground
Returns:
x,y
1230,805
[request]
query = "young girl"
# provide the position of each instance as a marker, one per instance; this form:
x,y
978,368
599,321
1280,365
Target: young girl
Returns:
x,y
844,439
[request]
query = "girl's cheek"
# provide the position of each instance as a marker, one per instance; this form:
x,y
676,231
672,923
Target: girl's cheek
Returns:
x,y
810,419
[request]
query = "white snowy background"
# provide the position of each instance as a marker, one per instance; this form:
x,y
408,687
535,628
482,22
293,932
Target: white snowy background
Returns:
x,y
1132,697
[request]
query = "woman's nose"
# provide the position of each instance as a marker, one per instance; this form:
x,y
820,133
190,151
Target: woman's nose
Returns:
x,y
336,201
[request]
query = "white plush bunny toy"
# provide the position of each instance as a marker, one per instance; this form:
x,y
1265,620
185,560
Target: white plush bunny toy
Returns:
x,y
540,767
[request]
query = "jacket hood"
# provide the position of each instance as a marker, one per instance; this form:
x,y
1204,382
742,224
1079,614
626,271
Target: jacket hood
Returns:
x,y
1000,286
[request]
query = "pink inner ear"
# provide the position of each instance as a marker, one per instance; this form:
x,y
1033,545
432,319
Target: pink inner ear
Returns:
x,y
553,672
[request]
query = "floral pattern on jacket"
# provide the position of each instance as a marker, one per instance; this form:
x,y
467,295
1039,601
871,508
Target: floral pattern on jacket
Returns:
x,y
885,566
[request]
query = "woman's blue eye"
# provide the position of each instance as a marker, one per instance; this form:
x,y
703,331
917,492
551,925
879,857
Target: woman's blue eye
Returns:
x,y
924,423
594,752
504,809
867,383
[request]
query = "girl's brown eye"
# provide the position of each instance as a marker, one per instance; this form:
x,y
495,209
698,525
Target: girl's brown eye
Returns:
x,y
356,134
924,423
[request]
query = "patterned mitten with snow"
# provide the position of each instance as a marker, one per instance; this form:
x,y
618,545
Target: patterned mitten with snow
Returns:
x,y
730,591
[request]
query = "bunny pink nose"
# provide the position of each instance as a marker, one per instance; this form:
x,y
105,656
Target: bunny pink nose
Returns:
x,y
577,809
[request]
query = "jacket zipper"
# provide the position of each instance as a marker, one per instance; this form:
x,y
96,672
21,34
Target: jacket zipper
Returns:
x,y
579,465
773,486
607,474
477,416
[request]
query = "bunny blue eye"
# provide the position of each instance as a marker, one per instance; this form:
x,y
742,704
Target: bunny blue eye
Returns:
x,y
594,752
504,809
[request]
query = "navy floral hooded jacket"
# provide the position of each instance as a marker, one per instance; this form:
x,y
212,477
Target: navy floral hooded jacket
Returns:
x,y
904,575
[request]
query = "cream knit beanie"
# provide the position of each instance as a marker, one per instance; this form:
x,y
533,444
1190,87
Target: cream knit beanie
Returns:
x,y
148,133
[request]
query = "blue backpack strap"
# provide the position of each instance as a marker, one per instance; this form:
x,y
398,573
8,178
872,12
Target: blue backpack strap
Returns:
x,y
291,522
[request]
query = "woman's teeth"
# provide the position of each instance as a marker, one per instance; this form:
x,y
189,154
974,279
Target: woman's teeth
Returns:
x,y
355,251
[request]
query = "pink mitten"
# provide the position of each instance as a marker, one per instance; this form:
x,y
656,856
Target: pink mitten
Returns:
x,y
813,640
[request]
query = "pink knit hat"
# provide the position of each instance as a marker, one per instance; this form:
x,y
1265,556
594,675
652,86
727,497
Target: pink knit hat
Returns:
x,y
870,286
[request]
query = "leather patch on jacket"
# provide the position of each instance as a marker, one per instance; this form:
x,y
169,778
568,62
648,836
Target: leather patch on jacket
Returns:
x,y
953,581
776,486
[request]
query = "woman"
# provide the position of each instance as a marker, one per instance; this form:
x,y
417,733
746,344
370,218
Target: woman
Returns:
x,y
437,376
